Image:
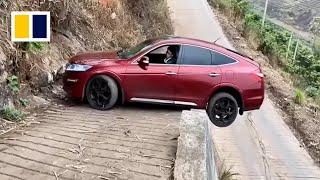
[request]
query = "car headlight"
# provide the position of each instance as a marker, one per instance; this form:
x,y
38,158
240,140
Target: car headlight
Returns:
x,y
78,67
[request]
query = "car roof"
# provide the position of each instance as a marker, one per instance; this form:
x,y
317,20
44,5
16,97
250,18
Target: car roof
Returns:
x,y
191,41
182,40
185,40
212,45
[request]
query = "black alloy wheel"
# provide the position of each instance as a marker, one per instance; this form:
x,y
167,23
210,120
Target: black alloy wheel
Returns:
x,y
222,109
102,92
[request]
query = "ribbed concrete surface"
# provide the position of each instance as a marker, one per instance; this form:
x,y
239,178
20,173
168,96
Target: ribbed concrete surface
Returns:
x,y
82,143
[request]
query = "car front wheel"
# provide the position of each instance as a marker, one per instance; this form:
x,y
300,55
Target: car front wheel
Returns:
x,y
222,109
102,92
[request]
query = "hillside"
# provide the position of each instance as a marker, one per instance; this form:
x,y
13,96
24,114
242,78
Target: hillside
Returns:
x,y
30,70
299,13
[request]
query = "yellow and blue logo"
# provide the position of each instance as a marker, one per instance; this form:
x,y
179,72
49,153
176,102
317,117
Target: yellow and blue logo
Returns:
x,y
30,26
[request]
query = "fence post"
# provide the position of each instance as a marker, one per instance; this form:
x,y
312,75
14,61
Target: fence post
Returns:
x,y
289,45
265,13
295,51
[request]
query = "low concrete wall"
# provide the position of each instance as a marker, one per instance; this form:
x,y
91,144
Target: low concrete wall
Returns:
x,y
195,154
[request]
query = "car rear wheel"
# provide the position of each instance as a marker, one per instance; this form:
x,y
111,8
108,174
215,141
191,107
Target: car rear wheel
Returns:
x,y
222,109
102,92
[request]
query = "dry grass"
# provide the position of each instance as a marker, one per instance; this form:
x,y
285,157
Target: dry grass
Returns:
x,y
226,173
152,15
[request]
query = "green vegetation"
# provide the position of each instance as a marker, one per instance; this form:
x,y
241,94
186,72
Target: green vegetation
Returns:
x,y
12,114
24,102
14,83
301,59
36,46
299,97
226,173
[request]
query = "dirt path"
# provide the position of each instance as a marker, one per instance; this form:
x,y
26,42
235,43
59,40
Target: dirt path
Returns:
x,y
259,145
81,143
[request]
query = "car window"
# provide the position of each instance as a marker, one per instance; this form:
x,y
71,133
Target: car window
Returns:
x,y
159,55
220,59
161,50
138,48
196,56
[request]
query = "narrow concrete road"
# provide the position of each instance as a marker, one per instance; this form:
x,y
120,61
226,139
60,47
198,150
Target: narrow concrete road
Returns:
x,y
81,143
259,145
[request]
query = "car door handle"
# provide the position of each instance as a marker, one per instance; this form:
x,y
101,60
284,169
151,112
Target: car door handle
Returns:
x,y
170,73
214,74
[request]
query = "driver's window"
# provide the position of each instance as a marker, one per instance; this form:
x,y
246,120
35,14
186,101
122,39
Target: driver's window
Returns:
x,y
164,55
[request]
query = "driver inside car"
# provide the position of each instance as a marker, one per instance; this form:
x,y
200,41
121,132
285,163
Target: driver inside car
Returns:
x,y
171,55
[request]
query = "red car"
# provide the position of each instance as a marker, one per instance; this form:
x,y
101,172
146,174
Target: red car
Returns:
x,y
169,70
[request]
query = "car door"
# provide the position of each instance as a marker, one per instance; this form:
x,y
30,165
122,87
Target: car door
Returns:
x,y
197,76
155,83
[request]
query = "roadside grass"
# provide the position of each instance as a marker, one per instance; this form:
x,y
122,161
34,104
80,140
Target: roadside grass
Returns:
x,y
226,173
12,114
299,97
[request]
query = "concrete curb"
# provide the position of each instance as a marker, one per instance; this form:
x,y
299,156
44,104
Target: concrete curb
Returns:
x,y
195,158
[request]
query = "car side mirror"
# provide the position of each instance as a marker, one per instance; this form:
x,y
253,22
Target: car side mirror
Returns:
x,y
144,61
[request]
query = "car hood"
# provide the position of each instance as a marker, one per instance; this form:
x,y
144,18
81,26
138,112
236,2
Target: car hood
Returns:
x,y
94,58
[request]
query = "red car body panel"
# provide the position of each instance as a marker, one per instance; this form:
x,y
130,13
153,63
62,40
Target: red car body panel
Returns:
x,y
187,83
156,84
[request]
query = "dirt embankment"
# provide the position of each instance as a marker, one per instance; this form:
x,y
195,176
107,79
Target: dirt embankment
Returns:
x,y
77,26
304,119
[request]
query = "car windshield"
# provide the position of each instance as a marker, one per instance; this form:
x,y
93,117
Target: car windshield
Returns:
x,y
136,49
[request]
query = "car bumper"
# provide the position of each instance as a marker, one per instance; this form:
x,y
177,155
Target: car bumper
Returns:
x,y
253,98
74,84
253,103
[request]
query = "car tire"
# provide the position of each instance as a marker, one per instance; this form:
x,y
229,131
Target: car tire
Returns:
x,y
102,92
222,109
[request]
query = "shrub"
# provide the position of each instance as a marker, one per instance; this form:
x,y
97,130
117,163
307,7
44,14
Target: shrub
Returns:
x,y
13,83
313,91
12,114
299,97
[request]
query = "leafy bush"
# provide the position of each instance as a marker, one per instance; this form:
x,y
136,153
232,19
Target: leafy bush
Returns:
x,y
299,97
12,114
312,91
13,83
